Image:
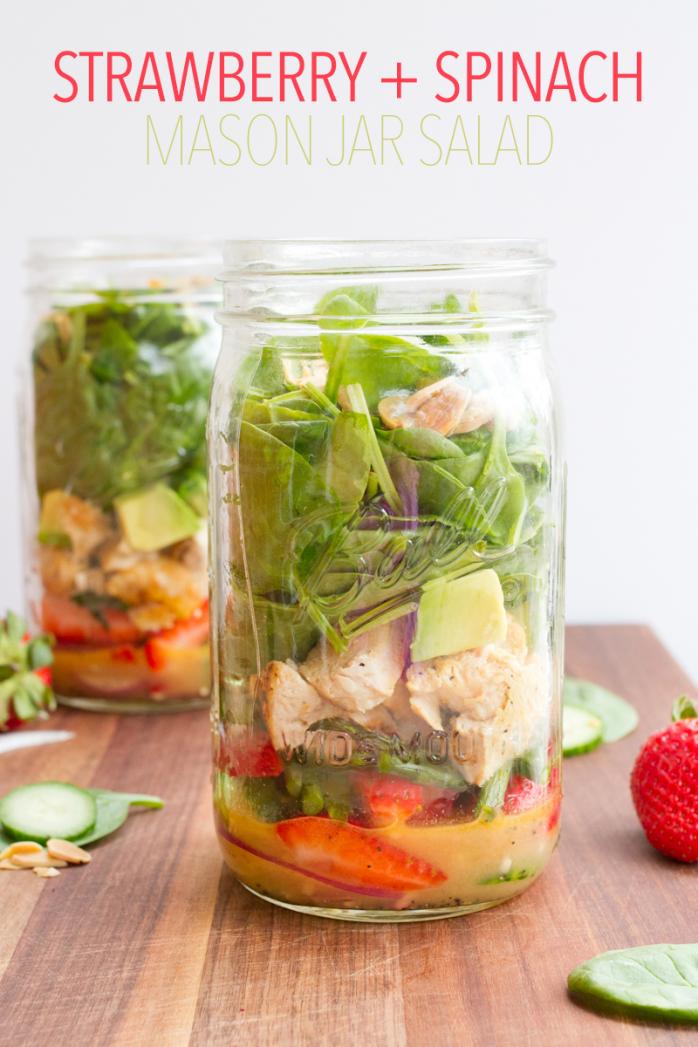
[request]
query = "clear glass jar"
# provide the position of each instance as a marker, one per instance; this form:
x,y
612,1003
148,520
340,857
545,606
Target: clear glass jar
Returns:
x,y
386,519
122,348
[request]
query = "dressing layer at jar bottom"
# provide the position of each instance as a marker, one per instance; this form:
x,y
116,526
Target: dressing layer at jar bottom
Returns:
x,y
468,865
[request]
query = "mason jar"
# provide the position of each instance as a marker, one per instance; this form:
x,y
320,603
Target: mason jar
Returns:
x,y
386,512
122,348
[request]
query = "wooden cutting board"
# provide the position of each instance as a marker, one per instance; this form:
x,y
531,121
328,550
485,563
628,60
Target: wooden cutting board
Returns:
x,y
155,943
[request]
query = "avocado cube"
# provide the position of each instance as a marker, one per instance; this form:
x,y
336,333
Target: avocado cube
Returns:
x,y
459,614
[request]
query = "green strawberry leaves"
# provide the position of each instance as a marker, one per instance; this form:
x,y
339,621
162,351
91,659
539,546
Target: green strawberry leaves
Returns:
x,y
684,708
24,689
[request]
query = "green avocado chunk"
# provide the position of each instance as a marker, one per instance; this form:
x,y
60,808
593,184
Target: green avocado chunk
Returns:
x,y
459,614
155,517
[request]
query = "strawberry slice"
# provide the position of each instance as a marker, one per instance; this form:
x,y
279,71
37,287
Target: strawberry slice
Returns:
x,y
355,856
248,756
72,624
390,800
191,632
523,794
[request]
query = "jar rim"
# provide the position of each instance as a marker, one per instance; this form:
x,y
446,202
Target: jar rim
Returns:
x,y
148,250
313,257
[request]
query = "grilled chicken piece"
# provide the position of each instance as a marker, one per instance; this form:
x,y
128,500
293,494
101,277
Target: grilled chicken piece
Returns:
x,y
159,590
191,552
480,748
364,675
291,705
472,682
427,707
59,569
495,690
447,406
118,555
84,523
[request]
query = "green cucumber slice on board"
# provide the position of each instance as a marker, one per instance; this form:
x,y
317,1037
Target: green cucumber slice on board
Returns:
x,y
618,717
581,731
47,809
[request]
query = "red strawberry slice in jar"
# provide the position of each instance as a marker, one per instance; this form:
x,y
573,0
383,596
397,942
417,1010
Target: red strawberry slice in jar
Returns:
x,y
355,856
523,794
72,624
192,632
248,754
390,800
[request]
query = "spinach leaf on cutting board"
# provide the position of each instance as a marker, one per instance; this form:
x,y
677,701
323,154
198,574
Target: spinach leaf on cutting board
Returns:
x,y
659,982
112,811
617,716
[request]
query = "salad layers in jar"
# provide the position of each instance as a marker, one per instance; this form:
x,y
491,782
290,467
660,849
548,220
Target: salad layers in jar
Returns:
x,y
386,519
122,353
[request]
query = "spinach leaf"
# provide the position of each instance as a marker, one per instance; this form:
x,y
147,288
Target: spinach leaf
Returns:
x,y
287,512
659,982
352,303
480,491
112,811
120,389
347,460
420,443
268,379
307,437
499,474
276,632
383,365
618,717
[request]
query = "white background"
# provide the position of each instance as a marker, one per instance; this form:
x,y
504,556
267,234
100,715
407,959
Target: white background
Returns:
x,y
616,203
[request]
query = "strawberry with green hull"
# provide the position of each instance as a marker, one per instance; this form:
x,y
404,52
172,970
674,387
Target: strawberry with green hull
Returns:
x,y
664,785
25,674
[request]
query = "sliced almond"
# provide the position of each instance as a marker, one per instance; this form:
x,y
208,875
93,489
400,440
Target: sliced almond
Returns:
x,y
68,852
21,847
41,861
438,406
39,870
7,863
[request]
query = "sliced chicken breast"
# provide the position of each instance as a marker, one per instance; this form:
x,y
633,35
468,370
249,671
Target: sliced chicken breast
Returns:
x,y
364,675
498,694
291,705
480,748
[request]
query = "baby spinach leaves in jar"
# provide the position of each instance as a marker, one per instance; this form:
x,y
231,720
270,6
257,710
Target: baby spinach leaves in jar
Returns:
x,y
338,521
121,388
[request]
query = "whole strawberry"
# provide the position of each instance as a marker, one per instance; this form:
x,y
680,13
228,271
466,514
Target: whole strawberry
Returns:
x,y
664,785
25,674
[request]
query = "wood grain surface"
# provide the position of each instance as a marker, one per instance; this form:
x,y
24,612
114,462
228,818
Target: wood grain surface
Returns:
x,y
155,943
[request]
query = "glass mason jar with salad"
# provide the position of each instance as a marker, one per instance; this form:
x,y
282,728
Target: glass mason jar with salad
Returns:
x,y
386,507
123,345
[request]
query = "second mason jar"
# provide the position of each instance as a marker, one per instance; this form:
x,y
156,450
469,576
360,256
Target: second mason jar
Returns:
x,y
387,524
122,352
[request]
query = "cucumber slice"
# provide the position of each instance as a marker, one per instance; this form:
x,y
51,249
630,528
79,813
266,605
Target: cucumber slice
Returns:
x,y
581,731
47,809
